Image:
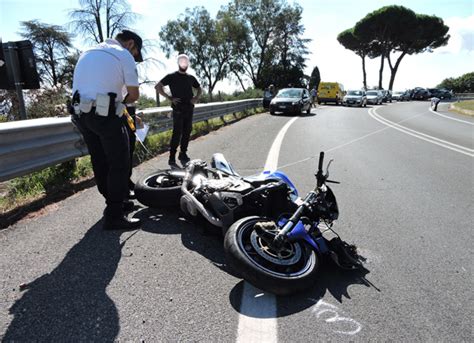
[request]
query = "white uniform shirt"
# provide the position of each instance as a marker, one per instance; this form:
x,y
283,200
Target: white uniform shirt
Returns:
x,y
106,68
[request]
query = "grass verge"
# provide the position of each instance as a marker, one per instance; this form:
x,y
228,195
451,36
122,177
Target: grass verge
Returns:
x,y
26,194
464,107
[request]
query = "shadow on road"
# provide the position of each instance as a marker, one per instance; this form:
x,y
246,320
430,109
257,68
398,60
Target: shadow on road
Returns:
x,y
71,303
331,279
194,236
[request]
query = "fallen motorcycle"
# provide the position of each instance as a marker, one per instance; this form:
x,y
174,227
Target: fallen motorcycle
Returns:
x,y
273,238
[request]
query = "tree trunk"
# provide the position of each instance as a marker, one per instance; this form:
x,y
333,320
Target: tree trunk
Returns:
x,y
240,81
394,69
382,60
364,73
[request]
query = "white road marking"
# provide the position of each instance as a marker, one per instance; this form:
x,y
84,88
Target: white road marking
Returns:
x,y
272,159
448,117
445,144
257,318
258,310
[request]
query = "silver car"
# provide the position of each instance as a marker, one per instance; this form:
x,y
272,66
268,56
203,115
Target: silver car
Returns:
x,y
355,98
374,97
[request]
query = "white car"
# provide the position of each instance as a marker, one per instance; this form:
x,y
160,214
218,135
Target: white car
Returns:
x,y
355,98
374,97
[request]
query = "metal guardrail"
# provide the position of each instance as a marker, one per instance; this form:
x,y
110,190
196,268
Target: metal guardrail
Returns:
x,y
32,145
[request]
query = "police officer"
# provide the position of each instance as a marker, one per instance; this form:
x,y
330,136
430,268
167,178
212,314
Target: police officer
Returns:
x,y
183,100
100,76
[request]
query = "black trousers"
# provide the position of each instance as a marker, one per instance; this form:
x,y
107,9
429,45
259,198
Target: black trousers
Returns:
x,y
182,127
108,144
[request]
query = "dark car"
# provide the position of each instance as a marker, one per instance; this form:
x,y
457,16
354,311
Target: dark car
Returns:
x,y
386,95
440,93
400,95
291,100
420,93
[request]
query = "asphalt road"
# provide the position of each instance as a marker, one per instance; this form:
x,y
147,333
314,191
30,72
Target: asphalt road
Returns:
x,y
406,200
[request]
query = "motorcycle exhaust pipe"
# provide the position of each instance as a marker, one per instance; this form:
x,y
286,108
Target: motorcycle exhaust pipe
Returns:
x,y
200,207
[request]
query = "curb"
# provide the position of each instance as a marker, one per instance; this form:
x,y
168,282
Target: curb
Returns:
x,y
461,110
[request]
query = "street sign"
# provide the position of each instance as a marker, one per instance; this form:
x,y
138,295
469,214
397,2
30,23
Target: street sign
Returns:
x,y
23,66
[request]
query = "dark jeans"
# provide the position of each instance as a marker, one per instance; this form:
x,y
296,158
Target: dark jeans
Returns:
x,y
108,144
182,127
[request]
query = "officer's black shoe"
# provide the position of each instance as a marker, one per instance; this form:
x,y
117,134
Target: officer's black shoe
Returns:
x,y
183,158
128,205
121,223
172,161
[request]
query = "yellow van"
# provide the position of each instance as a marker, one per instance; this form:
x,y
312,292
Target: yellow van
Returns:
x,y
330,92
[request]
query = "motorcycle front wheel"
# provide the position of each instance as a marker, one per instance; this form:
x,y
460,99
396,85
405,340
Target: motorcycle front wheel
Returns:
x,y
160,189
290,270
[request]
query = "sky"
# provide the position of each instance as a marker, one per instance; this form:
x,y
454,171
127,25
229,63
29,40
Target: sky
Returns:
x,y
323,21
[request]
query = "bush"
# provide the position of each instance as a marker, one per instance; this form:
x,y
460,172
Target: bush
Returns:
x,y
462,84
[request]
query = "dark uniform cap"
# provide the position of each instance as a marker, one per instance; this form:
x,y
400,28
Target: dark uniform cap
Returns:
x,y
126,35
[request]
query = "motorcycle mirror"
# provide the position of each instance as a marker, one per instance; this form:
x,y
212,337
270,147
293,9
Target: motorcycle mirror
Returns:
x,y
327,168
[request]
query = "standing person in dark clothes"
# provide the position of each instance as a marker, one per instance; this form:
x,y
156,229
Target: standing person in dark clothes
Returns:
x,y
183,100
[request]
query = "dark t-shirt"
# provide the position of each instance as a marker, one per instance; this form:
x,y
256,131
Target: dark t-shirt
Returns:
x,y
181,85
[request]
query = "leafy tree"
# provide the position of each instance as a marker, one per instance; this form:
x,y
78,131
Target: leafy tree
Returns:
x,y
397,29
428,34
462,84
363,49
97,20
271,43
51,45
315,78
210,43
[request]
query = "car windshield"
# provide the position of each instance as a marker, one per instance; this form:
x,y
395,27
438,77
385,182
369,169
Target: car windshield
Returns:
x,y
372,93
289,93
354,92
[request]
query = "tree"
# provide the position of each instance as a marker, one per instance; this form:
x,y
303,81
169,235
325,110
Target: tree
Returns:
x,y
351,42
397,29
428,34
315,78
462,84
210,43
51,45
97,20
272,43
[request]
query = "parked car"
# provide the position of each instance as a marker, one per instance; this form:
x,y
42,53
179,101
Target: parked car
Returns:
x,y
441,93
386,95
399,95
330,92
374,97
355,97
291,100
420,93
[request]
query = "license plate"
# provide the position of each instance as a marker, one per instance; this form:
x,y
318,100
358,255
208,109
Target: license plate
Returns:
x,y
282,107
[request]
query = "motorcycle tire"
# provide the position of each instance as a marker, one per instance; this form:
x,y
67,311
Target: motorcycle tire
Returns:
x,y
280,276
151,190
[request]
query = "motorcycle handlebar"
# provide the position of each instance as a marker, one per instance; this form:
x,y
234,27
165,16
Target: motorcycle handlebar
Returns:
x,y
321,159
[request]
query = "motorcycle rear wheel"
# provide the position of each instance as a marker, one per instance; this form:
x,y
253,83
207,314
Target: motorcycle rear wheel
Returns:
x,y
160,189
288,271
